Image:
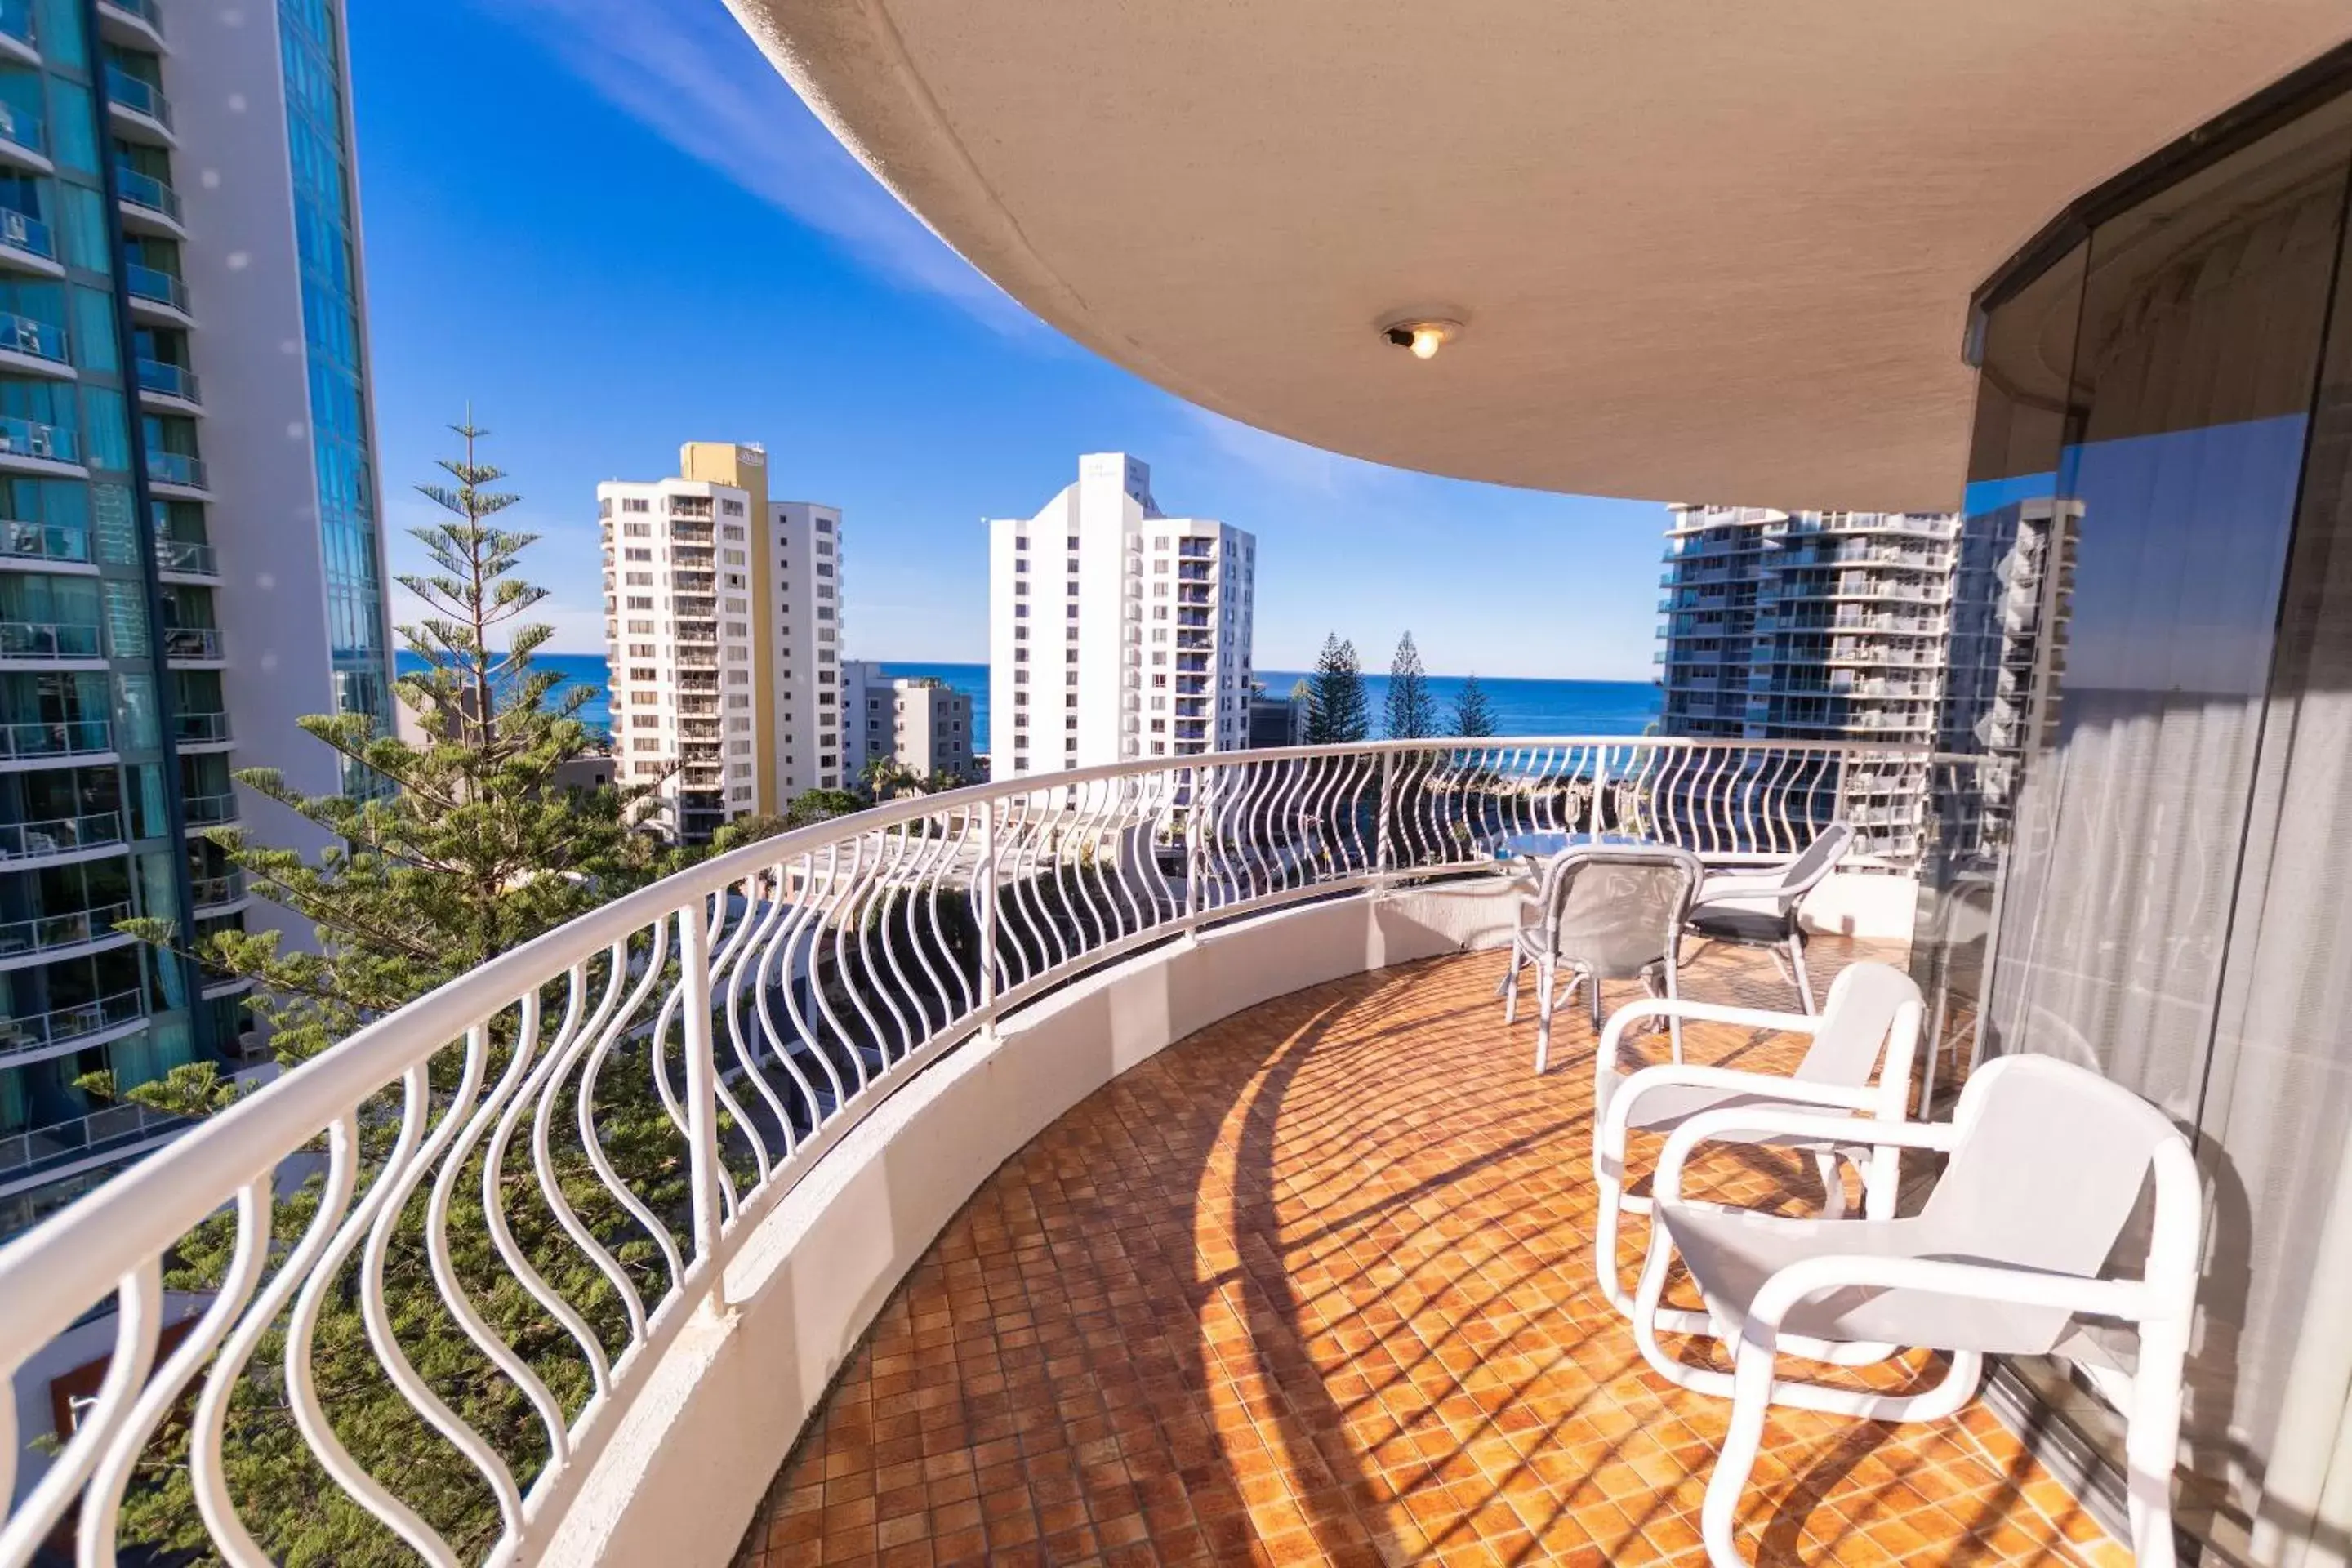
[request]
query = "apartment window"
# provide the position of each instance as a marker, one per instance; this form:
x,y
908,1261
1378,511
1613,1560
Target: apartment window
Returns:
x,y
825,547
731,508
1158,680
822,591
1021,564
732,530
1019,678
739,699
1158,659
636,531
738,607
1020,590
1159,612
1021,634
733,558
1019,656
1158,634
1073,610
641,672
1074,544
1019,542
636,552
643,630
603,506
645,720
823,613
1159,566
735,677
1074,566
825,525
1021,699
1071,722
641,650
824,569
641,601
635,503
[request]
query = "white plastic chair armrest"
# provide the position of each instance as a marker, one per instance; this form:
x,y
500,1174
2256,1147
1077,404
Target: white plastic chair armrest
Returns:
x,y
2126,1299
1691,1012
1618,1118
1762,1123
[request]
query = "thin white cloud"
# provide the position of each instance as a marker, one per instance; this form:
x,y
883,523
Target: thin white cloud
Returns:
x,y
687,71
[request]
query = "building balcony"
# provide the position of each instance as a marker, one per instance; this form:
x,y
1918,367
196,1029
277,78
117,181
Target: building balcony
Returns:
x,y
148,204
28,446
45,937
16,39
45,744
185,558
192,645
41,546
138,109
198,732
78,1027
45,642
138,23
178,474
26,245
21,141
61,838
210,810
214,894
155,295
32,347
170,387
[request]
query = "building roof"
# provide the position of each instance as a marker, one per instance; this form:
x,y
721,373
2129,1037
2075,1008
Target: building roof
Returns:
x,y
1719,250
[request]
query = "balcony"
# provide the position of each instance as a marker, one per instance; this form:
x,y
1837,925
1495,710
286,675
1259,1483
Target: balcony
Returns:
x,y
70,1028
26,245
155,294
138,109
45,642
194,731
210,810
17,40
138,23
148,204
213,894
192,645
44,544
21,141
178,473
171,386
185,558
61,837
41,742
33,347
1398,1348
55,935
28,446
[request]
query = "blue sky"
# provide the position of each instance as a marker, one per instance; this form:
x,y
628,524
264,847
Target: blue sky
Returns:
x,y
614,235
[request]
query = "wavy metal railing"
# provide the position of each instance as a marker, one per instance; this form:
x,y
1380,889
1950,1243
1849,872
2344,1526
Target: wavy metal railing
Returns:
x,y
406,1293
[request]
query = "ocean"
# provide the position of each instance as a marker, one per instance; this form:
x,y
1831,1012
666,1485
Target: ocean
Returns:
x,y
1520,707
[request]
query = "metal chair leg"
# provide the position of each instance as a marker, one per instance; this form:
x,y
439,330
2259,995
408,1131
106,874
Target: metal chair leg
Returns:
x,y
1797,963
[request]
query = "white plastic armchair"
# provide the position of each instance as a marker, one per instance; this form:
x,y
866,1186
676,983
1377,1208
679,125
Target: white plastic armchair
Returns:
x,y
1859,1062
2048,1161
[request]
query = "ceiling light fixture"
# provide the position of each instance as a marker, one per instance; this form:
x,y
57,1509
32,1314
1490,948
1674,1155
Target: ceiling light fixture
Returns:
x,y
1422,335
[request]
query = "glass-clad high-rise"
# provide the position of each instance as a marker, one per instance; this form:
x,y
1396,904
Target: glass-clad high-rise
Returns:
x,y
161,478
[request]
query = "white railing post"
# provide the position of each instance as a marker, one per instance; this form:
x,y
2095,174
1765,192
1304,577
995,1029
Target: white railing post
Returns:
x,y
983,910
1383,861
1196,807
702,1087
1599,788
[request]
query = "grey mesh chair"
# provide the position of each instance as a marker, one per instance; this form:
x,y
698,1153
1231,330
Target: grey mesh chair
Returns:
x,y
1759,908
2047,1162
1858,1062
1602,912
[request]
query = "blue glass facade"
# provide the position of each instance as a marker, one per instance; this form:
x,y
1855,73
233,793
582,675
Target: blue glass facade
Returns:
x,y
311,43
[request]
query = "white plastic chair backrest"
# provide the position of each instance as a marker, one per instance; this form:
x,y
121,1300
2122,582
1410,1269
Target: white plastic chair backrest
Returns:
x,y
1874,1011
1808,870
1618,907
2050,1165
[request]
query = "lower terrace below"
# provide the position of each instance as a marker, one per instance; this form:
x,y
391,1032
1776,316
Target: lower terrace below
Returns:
x,y
1315,1285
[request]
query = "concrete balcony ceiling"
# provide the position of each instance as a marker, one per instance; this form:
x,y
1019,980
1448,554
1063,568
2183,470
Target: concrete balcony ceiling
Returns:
x,y
1700,250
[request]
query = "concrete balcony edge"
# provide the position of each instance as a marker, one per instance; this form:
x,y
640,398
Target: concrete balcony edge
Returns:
x,y
682,1475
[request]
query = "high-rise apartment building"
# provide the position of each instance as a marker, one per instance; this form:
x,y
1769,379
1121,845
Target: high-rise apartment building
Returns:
x,y
923,725
1812,626
1114,631
722,625
186,446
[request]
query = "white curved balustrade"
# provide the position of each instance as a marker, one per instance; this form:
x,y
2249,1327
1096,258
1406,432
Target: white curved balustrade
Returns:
x,y
511,1196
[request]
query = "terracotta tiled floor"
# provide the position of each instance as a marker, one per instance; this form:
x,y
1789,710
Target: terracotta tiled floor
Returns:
x,y
1316,1286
